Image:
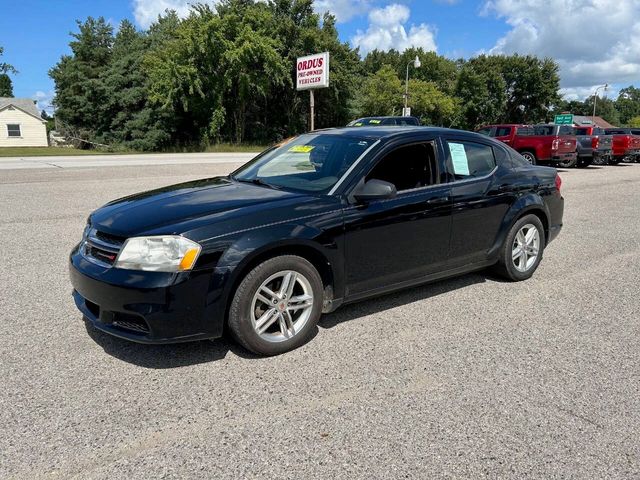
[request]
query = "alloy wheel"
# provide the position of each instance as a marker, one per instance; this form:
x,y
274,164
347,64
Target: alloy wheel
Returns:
x,y
526,247
282,306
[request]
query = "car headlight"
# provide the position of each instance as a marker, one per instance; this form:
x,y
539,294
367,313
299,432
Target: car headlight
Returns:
x,y
165,253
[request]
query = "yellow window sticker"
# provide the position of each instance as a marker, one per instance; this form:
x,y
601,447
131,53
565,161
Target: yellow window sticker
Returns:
x,y
357,124
301,148
375,122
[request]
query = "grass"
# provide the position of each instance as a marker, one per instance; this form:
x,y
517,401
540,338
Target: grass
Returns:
x,y
45,151
56,151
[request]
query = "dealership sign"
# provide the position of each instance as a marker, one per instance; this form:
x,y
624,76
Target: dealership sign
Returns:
x,y
312,71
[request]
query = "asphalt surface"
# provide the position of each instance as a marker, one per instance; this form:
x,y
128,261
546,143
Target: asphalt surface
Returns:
x,y
467,378
147,159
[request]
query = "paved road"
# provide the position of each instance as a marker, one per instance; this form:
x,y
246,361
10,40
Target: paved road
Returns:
x,y
466,378
150,159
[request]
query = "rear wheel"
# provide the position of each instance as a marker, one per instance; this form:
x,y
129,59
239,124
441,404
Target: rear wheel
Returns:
x,y
522,250
584,162
614,160
568,163
277,305
529,157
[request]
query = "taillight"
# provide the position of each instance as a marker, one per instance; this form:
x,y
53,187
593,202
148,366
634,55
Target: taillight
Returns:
x,y
558,183
555,144
594,142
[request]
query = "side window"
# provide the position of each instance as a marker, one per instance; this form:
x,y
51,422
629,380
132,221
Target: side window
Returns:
x,y
566,130
485,131
524,131
503,131
408,167
502,157
470,159
13,130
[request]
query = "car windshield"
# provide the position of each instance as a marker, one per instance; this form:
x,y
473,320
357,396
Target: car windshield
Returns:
x,y
310,163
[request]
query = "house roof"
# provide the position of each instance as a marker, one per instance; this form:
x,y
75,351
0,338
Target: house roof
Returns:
x,y
24,104
582,120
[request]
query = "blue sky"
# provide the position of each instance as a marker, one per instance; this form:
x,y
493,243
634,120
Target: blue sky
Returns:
x,y
595,41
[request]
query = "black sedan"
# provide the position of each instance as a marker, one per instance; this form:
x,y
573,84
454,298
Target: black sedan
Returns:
x,y
331,217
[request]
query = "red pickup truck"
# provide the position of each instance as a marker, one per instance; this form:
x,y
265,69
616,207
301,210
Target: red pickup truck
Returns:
x,y
534,148
626,144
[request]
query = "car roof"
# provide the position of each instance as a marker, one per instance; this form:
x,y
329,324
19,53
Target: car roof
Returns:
x,y
387,131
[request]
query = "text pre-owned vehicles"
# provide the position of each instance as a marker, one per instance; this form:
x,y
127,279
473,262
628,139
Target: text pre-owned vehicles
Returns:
x,y
597,139
626,144
328,218
383,121
535,148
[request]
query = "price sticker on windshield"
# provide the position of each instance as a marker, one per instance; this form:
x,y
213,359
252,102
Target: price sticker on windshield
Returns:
x,y
301,148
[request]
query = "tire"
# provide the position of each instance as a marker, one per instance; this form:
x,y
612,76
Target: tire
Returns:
x,y
614,160
260,303
515,269
529,157
584,162
568,163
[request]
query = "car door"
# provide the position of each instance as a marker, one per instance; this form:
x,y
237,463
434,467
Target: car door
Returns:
x,y
403,238
482,189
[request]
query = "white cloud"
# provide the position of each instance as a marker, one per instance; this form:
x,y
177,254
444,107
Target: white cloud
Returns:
x,y
593,41
580,93
387,30
343,10
146,11
44,100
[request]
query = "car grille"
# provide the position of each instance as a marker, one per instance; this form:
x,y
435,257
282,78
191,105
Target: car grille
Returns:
x,y
102,247
130,322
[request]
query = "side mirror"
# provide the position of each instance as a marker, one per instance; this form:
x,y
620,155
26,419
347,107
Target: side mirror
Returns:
x,y
375,189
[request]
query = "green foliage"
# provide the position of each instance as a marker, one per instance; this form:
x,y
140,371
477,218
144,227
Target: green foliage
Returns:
x,y
6,86
634,122
628,104
227,74
381,93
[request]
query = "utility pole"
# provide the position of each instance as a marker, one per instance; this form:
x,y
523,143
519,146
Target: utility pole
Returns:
x,y
595,97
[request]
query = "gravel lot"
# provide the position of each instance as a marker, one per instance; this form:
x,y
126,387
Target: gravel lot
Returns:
x,y
466,378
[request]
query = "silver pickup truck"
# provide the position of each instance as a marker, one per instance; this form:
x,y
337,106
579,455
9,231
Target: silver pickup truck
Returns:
x,y
601,143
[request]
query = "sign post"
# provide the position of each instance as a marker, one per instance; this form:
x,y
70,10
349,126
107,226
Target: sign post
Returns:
x,y
312,72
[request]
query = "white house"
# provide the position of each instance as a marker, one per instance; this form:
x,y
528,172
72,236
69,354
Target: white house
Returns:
x,y
21,124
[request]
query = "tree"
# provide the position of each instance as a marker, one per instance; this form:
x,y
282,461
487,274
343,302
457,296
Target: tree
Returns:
x,y
80,90
381,93
634,122
6,86
131,120
432,106
482,93
628,104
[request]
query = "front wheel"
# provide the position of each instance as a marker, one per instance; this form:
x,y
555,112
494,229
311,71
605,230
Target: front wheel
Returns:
x,y
522,250
277,305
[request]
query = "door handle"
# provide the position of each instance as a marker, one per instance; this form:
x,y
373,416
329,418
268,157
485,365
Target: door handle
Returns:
x,y
437,201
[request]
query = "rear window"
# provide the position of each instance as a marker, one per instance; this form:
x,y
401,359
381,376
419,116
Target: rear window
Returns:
x,y
503,131
524,131
566,130
581,131
543,129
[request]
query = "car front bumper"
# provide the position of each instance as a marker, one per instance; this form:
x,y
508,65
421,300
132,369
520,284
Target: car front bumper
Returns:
x,y
145,307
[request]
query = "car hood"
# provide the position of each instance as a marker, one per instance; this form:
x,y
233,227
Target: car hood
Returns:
x,y
170,209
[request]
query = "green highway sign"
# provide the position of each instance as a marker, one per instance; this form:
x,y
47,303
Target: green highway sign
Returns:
x,y
564,119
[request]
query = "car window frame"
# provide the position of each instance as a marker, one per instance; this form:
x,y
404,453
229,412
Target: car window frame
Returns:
x,y
384,149
445,139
